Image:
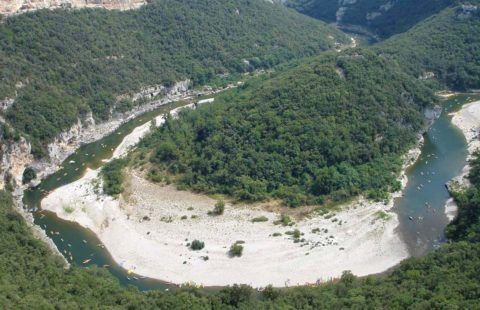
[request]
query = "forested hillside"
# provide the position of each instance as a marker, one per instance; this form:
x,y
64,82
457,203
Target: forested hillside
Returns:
x,y
30,277
382,17
331,128
64,63
446,44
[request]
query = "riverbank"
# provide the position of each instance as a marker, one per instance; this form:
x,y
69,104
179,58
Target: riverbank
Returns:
x,y
148,228
467,119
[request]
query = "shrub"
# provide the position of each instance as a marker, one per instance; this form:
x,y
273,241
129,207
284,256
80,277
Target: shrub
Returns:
x,y
285,220
296,234
218,209
28,175
112,175
68,209
260,219
236,249
197,245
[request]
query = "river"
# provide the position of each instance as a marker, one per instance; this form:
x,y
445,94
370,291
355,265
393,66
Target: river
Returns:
x,y
443,157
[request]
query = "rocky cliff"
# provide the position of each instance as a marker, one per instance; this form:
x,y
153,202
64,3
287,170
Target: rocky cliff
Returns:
x,y
16,156
10,7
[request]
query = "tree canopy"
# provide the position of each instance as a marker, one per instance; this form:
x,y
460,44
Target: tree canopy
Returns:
x,y
446,44
61,64
331,128
32,277
382,17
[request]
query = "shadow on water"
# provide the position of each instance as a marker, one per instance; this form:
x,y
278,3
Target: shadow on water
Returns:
x,y
77,244
443,156
421,209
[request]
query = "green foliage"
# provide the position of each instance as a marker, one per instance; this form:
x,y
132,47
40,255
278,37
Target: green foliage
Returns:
x,y
284,220
296,234
33,278
466,226
329,129
236,249
74,61
372,14
218,209
382,215
112,176
446,44
260,219
28,175
447,278
197,245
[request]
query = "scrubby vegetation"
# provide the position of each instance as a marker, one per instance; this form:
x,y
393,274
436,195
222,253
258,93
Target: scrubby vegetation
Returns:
x,y
113,177
466,226
329,129
284,219
446,44
236,249
382,17
218,209
197,245
28,175
65,63
260,219
31,277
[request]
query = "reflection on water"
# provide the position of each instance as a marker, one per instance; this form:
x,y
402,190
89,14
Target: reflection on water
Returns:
x,y
421,210
76,243
443,157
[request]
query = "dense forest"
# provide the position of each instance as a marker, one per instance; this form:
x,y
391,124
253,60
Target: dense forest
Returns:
x,y
31,277
329,129
446,44
381,17
333,127
64,63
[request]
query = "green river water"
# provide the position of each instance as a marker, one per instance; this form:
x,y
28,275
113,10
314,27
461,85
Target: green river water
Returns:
x,y
443,157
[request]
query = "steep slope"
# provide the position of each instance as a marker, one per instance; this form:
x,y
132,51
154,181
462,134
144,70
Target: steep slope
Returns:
x,y
382,17
59,65
444,49
331,128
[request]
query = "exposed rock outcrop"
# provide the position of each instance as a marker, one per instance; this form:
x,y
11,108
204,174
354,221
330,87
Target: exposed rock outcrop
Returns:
x,y
10,7
151,92
6,103
17,155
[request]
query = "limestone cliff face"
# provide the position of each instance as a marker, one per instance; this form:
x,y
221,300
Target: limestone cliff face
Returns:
x,y
10,7
16,156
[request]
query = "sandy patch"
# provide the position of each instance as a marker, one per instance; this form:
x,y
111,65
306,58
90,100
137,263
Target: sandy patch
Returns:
x,y
141,131
467,119
144,231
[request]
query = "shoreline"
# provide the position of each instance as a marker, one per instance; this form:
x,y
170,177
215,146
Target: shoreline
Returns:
x,y
17,156
467,120
145,233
